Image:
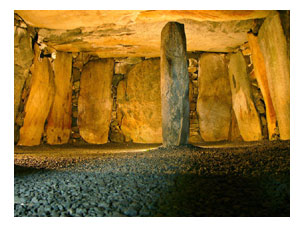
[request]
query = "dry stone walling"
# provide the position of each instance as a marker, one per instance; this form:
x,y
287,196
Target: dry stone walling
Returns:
x,y
174,85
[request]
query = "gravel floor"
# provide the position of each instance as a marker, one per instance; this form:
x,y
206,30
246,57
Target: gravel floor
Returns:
x,y
183,181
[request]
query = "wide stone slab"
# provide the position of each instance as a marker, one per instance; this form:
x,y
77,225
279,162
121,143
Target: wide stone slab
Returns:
x,y
59,121
139,103
261,76
214,97
174,85
95,101
274,48
125,33
39,101
242,103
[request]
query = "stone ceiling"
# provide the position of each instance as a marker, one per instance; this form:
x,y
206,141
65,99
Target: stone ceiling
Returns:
x,y
120,33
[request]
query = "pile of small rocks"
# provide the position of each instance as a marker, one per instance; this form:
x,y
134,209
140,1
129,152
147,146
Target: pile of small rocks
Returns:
x,y
177,181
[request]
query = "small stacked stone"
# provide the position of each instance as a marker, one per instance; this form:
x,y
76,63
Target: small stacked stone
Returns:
x,y
79,59
193,94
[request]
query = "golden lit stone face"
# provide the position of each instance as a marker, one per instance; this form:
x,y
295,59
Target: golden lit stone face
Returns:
x,y
95,101
139,103
39,101
214,99
122,33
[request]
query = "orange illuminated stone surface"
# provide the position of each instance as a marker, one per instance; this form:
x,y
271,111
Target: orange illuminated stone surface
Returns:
x,y
260,74
214,97
95,101
60,118
139,103
274,48
39,102
242,103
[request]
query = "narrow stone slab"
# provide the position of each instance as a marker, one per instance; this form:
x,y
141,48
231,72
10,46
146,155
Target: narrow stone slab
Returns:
x,y
23,57
274,48
214,97
39,101
95,101
60,118
174,85
139,102
242,103
260,74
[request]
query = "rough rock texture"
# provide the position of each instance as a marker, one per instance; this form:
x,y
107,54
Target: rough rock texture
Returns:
x,y
39,101
139,103
260,74
285,21
174,85
242,103
59,121
257,95
95,101
76,75
23,57
234,131
214,97
194,136
71,19
274,48
93,31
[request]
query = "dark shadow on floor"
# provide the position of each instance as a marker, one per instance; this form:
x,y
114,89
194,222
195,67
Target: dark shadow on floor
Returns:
x,y
22,171
216,196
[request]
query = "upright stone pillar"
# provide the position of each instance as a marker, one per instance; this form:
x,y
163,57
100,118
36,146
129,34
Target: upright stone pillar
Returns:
x,y
214,97
260,73
60,117
95,101
174,85
275,51
243,106
39,101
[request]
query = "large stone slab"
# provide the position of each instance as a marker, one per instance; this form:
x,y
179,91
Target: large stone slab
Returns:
x,y
260,74
214,97
242,103
139,103
39,101
59,121
174,85
137,32
23,58
95,101
274,48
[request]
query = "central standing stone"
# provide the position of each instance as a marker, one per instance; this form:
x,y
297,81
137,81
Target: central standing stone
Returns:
x,y
174,85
